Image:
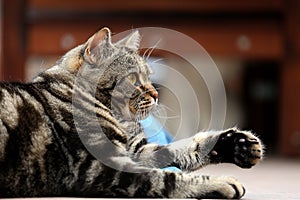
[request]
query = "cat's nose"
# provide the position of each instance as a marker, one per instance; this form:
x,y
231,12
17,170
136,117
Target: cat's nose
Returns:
x,y
154,94
151,91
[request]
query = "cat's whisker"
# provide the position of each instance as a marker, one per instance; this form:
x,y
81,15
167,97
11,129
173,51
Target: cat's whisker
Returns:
x,y
152,49
167,117
163,106
145,52
156,61
159,112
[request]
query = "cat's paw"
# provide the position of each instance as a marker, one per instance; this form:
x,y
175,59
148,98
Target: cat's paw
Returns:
x,y
239,147
224,188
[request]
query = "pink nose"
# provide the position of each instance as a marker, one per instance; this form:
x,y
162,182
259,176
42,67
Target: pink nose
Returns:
x,y
151,91
154,93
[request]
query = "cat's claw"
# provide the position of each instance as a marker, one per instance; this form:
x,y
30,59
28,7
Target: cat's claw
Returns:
x,y
224,188
232,188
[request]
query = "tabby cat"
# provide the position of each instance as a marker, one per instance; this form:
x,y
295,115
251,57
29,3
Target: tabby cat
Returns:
x,y
73,132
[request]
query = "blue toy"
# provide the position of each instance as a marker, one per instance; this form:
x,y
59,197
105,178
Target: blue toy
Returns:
x,y
155,133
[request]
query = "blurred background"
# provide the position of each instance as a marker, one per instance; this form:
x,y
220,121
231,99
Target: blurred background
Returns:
x,y
255,44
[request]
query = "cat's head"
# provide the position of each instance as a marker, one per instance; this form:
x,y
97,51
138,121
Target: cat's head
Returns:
x,y
118,70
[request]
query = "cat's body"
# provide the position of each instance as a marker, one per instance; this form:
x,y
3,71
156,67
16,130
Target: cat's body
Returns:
x,y
73,131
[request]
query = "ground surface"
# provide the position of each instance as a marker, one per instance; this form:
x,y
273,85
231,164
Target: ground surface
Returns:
x,y
274,178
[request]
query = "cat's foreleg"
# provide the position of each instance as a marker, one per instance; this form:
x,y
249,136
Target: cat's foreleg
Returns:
x,y
229,146
164,184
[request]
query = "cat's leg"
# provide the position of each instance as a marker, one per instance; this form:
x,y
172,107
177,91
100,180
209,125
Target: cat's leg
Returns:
x,y
231,146
157,183
204,187
164,184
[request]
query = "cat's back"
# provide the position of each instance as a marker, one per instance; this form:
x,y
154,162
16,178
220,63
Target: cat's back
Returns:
x,y
19,105
27,142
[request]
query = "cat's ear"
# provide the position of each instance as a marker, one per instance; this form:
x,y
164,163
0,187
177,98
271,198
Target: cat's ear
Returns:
x,y
132,41
97,44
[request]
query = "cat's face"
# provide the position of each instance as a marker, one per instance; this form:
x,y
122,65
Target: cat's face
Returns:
x,y
125,74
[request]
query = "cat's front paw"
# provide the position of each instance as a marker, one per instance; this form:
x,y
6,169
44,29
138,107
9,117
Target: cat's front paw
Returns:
x,y
224,188
239,147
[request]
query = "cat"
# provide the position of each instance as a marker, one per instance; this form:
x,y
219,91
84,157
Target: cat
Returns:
x,y
74,132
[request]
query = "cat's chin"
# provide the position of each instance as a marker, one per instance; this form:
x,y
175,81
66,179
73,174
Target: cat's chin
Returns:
x,y
138,115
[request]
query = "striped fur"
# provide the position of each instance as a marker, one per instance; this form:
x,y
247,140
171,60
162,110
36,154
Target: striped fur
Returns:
x,y
74,131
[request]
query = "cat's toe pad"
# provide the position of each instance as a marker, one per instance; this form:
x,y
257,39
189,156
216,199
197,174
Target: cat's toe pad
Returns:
x,y
248,150
239,147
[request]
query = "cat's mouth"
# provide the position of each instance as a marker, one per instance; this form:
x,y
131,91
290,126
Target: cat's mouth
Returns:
x,y
142,106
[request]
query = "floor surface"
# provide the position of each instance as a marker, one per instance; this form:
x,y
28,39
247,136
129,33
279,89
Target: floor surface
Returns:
x,y
272,179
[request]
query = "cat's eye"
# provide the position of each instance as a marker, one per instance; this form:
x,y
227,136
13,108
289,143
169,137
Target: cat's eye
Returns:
x,y
132,78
